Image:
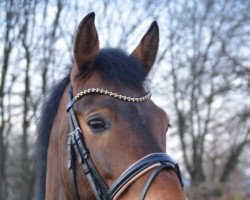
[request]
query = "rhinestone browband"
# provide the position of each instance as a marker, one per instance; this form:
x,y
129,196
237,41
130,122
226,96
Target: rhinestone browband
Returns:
x,y
112,94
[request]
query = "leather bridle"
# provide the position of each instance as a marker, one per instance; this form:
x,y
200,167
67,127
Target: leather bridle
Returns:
x,y
77,148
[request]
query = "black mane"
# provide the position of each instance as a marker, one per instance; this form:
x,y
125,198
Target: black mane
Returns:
x,y
113,66
48,112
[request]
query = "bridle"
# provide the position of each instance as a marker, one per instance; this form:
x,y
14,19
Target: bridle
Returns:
x,y
77,148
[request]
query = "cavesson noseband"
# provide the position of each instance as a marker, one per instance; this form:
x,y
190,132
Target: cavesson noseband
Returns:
x,y
77,148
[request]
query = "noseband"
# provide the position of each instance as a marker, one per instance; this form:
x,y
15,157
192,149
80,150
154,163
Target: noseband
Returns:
x,y
77,148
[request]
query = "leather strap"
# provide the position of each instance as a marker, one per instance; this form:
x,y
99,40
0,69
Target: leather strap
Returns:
x,y
138,167
151,178
76,145
71,167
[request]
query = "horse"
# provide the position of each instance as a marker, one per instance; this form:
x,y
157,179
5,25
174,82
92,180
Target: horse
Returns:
x,y
99,134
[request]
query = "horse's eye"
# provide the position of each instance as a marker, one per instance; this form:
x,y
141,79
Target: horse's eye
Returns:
x,y
169,125
97,124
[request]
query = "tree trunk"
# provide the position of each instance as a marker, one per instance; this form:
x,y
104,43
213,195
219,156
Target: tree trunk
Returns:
x,y
6,58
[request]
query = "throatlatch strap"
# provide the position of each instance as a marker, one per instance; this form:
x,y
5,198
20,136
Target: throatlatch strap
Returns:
x,y
71,167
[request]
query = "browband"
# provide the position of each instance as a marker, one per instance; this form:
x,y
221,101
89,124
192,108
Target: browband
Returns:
x,y
112,94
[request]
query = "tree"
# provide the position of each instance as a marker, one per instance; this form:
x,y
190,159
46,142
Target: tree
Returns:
x,y
207,53
8,39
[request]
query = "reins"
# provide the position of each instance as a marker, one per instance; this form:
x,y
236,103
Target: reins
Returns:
x,y
77,148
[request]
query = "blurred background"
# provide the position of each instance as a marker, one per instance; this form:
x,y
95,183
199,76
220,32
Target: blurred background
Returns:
x,y
201,78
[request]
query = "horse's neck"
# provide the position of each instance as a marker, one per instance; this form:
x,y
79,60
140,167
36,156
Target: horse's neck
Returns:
x,y
58,179
55,186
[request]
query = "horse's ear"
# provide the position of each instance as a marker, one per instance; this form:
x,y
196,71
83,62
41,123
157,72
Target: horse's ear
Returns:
x,y
86,45
146,51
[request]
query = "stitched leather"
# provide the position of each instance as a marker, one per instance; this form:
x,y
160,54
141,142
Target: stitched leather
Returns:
x,y
137,168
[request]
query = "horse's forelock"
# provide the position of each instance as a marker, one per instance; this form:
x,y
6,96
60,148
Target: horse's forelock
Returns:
x,y
116,66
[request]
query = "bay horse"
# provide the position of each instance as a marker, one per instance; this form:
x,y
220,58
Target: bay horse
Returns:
x,y
100,135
